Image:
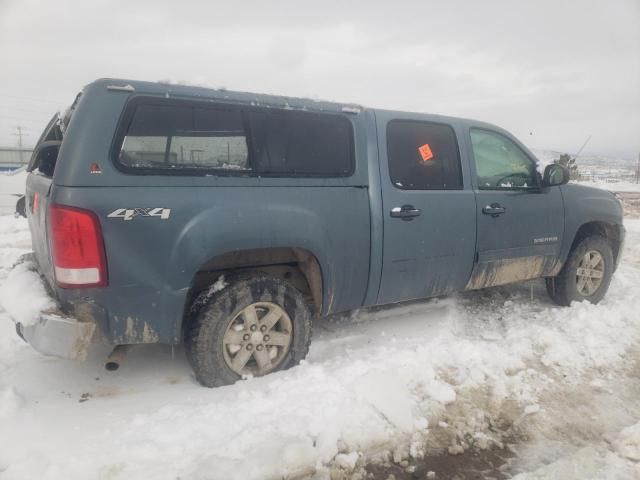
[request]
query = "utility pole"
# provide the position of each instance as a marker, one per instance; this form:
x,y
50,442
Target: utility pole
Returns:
x,y
19,133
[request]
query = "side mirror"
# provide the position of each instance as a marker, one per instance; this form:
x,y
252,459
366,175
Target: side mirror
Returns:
x,y
555,174
45,157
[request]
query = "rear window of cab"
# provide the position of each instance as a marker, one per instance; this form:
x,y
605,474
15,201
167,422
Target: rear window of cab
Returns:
x,y
164,136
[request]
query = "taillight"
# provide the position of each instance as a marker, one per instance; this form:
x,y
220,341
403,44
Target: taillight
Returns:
x,y
76,247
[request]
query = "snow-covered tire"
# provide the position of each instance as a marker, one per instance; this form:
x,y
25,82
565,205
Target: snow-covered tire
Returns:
x,y
232,324
567,287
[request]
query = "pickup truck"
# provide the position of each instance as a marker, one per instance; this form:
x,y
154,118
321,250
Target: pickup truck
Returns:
x,y
227,221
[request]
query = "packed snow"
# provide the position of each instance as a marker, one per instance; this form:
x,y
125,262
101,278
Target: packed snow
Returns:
x,y
412,386
12,185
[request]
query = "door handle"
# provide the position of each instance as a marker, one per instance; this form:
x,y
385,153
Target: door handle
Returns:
x,y
495,210
406,212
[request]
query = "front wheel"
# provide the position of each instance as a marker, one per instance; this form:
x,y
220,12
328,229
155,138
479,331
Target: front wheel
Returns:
x,y
586,275
254,326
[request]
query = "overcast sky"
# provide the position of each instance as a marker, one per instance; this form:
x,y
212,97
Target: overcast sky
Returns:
x,y
552,72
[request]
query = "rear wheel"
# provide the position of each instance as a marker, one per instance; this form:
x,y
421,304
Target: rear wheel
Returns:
x,y
586,275
255,326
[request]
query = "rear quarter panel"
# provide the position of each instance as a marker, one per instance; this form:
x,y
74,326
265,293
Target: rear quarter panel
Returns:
x,y
152,262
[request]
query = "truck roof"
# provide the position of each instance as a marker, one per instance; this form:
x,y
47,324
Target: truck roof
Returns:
x,y
254,99
205,93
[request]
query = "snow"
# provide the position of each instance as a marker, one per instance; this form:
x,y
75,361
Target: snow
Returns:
x,y
628,443
12,185
218,285
614,186
347,460
447,375
23,295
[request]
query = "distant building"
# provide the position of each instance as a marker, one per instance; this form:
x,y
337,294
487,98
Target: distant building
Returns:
x,y
13,157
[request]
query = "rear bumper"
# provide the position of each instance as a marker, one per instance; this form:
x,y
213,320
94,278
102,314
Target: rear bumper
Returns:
x,y
58,336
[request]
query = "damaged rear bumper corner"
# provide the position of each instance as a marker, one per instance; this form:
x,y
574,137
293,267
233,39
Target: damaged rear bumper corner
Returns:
x,y
58,336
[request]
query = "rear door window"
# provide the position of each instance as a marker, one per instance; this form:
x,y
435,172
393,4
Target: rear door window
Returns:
x,y
423,156
185,136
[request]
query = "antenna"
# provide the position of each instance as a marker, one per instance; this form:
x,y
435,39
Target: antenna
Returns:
x,y
582,147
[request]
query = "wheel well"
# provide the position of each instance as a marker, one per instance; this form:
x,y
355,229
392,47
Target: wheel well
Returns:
x,y
295,265
609,231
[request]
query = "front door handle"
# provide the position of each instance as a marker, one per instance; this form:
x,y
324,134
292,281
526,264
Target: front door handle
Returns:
x,y
406,212
495,210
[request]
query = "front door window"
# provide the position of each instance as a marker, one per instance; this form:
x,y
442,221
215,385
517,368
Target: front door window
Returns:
x,y
500,163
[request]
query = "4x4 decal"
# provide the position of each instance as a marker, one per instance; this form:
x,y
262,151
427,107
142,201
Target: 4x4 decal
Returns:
x,y
131,213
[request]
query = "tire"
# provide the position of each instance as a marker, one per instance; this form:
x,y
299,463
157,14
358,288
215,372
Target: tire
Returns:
x,y
221,332
566,287
20,207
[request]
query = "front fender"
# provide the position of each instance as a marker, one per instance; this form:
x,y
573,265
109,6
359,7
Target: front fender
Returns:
x,y
584,205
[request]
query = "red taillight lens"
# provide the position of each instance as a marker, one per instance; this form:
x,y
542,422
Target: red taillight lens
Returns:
x,y
76,247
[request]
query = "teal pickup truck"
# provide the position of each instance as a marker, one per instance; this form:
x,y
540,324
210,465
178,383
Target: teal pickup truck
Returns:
x,y
228,221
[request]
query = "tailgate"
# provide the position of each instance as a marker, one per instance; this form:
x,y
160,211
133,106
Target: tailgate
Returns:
x,y
38,190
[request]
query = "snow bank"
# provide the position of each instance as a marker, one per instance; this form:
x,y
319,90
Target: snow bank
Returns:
x,y
23,295
614,186
9,402
586,463
14,242
628,443
12,185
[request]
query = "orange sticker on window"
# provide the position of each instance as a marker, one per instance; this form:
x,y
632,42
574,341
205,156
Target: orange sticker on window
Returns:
x,y
425,152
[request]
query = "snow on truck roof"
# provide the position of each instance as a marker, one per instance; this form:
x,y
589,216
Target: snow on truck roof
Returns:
x,y
193,92
206,93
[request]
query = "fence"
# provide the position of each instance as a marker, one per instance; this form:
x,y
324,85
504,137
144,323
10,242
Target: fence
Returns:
x,y
12,157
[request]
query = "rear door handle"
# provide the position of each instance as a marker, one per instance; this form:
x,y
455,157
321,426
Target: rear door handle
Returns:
x,y
406,212
495,210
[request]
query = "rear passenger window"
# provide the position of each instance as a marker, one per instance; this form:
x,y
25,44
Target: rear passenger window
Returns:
x,y
186,136
423,156
301,143
169,136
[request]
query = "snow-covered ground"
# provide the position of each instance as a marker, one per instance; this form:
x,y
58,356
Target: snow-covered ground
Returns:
x,y
613,185
427,386
12,184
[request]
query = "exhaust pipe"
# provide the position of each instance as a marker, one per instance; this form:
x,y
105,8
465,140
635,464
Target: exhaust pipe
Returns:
x,y
116,357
